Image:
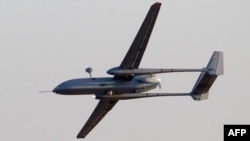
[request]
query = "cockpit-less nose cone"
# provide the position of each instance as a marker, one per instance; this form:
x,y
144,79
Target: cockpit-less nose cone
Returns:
x,y
129,81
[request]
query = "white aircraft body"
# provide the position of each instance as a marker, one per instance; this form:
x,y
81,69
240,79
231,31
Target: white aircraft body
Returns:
x,y
129,81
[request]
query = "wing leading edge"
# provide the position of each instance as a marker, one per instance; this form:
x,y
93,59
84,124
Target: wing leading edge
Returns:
x,y
103,107
131,60
135,53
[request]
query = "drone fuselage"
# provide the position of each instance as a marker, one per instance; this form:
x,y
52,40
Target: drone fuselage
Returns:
x,y
106,85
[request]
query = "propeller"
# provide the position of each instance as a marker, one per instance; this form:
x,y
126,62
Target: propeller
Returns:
x,y
151,79
159,82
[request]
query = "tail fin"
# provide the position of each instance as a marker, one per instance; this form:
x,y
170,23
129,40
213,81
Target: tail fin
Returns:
x,y
215,65
207,78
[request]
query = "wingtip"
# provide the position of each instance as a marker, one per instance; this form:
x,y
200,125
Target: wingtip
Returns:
x,y
80,137
157,3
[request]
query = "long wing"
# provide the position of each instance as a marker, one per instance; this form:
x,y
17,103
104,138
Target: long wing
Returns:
x,y
103,107
131,60
134,55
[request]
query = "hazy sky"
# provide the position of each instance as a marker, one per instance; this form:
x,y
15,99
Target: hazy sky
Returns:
x,y
45,42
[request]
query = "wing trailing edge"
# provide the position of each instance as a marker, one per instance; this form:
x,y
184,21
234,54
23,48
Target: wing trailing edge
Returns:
x,y
134,55
103,107
131,61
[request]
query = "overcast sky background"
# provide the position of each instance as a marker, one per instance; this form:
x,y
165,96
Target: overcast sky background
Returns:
x,y
45,42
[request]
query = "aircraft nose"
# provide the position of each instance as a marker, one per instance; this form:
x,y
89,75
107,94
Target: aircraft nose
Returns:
x,y
62,88
56,90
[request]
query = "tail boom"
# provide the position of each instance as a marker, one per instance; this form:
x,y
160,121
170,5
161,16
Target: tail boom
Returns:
x,y
200,90
137,95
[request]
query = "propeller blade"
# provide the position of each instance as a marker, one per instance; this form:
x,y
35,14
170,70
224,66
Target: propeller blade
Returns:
x,y
159,85
159,82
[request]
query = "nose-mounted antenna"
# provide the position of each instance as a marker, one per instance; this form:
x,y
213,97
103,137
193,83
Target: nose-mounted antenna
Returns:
x,y
89,70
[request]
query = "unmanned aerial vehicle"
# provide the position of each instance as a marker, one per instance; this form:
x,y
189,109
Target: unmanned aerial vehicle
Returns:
x,y
131,82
